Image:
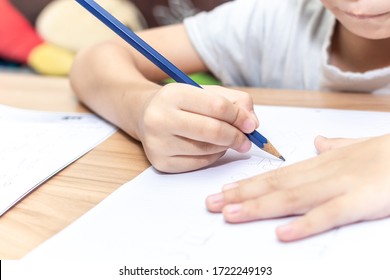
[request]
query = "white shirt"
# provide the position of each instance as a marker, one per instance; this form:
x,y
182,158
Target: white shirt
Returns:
x,y
276,44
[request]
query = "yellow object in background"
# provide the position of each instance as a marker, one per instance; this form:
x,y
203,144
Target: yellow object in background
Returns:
x,y
48,59
66,24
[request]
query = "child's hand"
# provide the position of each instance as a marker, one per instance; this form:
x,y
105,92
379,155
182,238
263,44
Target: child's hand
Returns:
x,y
183,128
347,183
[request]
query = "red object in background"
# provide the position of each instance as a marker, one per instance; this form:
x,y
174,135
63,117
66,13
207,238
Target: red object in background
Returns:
x,y
17,36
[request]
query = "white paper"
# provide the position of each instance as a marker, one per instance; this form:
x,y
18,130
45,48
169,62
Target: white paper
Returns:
x,y
163,216
35,145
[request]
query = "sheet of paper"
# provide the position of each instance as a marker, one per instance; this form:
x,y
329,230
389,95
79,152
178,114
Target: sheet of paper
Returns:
x,y
163,216
35,145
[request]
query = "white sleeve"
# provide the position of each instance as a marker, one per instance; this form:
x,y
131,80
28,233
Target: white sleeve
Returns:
x,y
263,43
222,36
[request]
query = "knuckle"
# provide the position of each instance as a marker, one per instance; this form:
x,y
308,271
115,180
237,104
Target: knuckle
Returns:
x,y
253,209
292,199
292,196
236,194
273,180
247,97
220,106
307,225
214,130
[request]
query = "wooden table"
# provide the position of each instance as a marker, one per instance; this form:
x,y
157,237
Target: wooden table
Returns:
x,y
83,184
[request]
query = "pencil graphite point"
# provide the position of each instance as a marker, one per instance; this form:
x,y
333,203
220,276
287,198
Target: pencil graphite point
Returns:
x,y
269,148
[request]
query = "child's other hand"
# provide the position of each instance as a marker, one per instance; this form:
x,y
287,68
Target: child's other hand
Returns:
x,y
183,128
348,182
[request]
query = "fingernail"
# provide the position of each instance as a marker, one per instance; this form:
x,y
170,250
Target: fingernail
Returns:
x,y
215,199
229,186
321,137
287,232
285,229
232,209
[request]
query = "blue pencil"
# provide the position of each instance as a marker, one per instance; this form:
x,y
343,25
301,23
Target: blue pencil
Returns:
x,y
160,61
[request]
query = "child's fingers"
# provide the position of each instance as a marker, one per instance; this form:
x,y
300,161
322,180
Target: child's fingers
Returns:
x,y
210,130
217,107
287,202
182,146
237,97
339,211
273,181
324,144
241,99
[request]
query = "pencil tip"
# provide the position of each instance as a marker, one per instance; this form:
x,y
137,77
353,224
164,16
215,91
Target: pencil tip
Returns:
x,y
282,158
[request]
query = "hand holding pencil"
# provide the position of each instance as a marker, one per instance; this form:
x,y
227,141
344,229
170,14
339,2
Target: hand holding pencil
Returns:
x,y
241,124
179,134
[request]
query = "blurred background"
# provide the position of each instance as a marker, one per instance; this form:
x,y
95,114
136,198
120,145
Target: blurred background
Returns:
x,y
42,36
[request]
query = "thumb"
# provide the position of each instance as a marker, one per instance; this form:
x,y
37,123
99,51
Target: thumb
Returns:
x,y
324,144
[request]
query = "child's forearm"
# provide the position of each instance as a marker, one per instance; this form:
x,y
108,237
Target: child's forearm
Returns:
x,y
107,80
